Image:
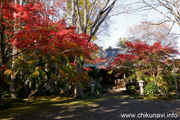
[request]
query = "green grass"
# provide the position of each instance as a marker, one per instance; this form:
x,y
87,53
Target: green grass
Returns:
x,y
172,96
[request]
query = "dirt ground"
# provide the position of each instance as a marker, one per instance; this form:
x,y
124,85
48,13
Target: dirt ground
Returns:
x,y
109,109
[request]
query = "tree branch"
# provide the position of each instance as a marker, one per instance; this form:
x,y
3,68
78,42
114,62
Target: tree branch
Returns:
x,y
162,13
100,18
85,16
79,16
91,9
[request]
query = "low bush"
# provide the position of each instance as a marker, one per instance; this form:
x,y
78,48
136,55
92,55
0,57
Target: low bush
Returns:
x,y
131,89
150,89
98,90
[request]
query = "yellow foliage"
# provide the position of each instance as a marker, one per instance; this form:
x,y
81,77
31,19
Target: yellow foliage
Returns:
x,y
31,61
110,72
8,72
20,57
94,38
36,72
37,68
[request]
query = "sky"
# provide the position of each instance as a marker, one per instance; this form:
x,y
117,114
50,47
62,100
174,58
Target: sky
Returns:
x,y
119,25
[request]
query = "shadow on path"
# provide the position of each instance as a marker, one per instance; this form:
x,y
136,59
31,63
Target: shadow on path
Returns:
x,y
109,108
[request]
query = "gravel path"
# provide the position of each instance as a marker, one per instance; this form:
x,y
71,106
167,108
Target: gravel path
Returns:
x,y
110,109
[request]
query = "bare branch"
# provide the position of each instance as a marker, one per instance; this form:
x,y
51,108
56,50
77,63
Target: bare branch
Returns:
x,y
101,17
79,16
172,8
170,29
162,22
91,9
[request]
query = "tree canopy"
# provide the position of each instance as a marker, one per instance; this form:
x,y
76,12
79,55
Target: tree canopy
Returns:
x,y
147,62
38,34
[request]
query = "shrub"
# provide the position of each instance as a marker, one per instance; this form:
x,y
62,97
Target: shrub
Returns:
x,y
150,89
131,89
98,90
164,89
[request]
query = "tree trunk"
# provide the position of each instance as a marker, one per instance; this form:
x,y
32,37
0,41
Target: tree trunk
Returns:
x,y
13,86
79,90
13,76
3,58
14,52
94,26
2,77
1,88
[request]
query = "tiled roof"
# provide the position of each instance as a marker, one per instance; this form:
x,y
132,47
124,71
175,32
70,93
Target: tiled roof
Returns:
x,y
109,55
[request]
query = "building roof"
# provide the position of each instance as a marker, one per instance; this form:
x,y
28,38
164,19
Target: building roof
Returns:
x,y
109,55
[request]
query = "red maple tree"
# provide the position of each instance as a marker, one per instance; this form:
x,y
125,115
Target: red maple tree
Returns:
x,y
35,30
144,59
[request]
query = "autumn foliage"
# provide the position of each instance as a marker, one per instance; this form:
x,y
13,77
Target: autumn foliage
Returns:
x,y
31,29
143,61
34,29
40,32
140,51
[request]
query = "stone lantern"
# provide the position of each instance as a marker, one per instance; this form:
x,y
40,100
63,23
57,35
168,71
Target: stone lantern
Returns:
x,y
92,84
141,84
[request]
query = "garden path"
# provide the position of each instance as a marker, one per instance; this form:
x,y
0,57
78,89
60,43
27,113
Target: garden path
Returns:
x,y
110,108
